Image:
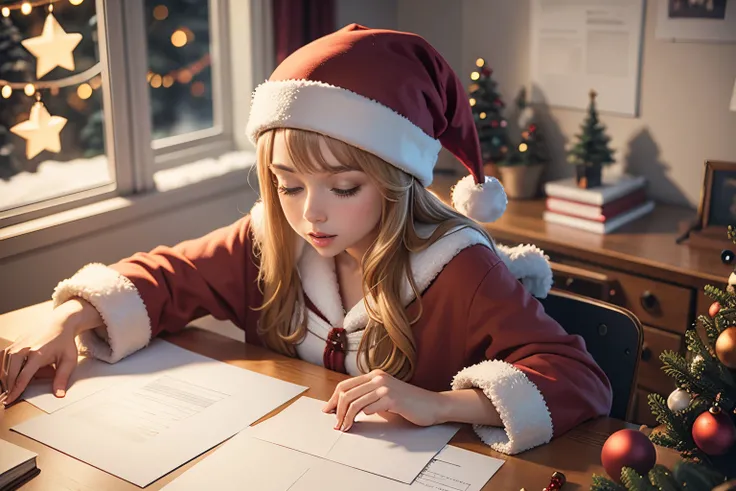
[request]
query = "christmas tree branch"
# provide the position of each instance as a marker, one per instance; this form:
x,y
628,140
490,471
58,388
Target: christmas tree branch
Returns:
x,y
662,479
633,481
719,296
604,484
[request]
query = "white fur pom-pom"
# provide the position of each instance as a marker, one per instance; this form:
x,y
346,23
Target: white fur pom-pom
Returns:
x,y
482,202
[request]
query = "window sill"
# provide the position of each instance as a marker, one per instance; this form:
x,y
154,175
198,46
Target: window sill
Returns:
x,y
176,188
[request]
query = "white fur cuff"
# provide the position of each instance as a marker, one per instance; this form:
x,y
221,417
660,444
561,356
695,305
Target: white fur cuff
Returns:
x,y
120,306
523,410
529,264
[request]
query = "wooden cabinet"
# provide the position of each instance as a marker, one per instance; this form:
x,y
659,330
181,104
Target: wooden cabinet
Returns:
x,y
640,267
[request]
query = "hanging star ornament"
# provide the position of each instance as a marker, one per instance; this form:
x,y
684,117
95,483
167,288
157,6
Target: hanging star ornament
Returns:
x,y
41,131
54,47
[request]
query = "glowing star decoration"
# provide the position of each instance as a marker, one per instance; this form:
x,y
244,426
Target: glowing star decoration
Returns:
x,y
53,47
41,131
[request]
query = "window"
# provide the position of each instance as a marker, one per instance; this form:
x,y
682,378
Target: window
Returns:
x,y
105,98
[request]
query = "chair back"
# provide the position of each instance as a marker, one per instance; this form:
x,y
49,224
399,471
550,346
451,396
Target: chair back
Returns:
x,y
613,336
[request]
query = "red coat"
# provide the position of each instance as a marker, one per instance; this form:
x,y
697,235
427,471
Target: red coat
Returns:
x,y
481,327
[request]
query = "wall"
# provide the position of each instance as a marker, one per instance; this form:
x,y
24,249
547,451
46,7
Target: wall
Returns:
x,y
685,88
685,91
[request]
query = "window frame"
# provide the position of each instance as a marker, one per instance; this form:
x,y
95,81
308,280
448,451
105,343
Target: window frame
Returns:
x,y
132,157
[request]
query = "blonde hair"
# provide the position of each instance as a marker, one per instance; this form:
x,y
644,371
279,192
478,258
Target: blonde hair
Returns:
x,y
387,343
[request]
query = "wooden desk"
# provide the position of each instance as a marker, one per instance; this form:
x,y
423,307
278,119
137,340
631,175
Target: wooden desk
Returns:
x,y
577,453
639,267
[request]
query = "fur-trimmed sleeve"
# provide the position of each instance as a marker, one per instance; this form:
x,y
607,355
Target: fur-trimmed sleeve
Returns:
x,y
166,288
541,380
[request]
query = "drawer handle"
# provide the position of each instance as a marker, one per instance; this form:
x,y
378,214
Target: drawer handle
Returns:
x,y
646,353
649,301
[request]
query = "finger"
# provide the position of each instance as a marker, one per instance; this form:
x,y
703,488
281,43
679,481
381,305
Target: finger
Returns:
x,y
347,398
17,360
61,380
358,405
23,378
381,405
344,386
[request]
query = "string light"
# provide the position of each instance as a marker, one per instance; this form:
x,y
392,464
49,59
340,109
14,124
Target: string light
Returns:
x,y
168,81
179,38
480,62
472,102
482,115
29,89
523,147
6,12
156,81
26,8
474,76
6,91
160,12
76,2
197,89
84,91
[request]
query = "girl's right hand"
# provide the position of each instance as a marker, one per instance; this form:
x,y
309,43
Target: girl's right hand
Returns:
x,y
52,346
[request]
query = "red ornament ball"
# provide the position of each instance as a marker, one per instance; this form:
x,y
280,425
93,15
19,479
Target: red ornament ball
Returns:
x,y
486,72
532,128
714,308
628,448
713,432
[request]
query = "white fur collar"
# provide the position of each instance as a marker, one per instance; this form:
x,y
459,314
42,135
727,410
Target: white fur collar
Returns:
x,y
319,280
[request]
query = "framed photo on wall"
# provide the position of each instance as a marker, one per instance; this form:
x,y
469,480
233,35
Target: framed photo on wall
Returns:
x,y
717,209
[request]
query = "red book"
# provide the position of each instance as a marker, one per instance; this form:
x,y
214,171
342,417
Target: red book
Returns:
x,y
597,213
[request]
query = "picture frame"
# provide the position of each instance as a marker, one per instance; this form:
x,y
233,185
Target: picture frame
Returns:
x,y
717,208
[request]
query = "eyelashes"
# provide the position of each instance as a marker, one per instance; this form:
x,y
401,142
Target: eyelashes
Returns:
x,y
340,193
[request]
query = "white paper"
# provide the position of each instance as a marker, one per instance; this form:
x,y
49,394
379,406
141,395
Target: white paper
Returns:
x,y
385,444
152,424
583,45
92,375
245,462
694,29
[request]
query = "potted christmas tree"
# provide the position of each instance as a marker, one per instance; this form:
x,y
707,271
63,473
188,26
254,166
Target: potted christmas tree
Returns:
x,y
591,152
522,169
487,108
698,419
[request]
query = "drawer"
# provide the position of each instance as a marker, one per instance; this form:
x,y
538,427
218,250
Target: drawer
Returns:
x,y
651,375
581,281
642,412
655,303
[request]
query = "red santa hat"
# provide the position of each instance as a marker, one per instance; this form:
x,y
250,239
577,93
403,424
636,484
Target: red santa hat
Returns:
x,y
389,93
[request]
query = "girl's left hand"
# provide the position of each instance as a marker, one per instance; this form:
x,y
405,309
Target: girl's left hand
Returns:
x,y
378,391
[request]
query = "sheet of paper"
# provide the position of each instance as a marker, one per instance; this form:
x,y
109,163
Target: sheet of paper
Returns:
x,y
152,424
583,45
93,375
386,445
268,467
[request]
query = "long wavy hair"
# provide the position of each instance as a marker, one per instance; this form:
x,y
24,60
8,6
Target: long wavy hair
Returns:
x,y
387,343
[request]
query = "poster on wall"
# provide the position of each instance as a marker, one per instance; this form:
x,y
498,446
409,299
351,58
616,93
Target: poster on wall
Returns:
x,y
583,45
707,21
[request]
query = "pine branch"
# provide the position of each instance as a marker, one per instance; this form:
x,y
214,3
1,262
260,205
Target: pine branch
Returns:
x,y
697,477
718,295
604,484
634,482
727,318
678,432
601,483
662,479
709,326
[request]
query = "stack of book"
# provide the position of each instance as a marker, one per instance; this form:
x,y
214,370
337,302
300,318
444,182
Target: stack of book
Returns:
x,y
618,201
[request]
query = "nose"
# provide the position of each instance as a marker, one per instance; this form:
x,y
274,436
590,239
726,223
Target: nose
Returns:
x,y
313,210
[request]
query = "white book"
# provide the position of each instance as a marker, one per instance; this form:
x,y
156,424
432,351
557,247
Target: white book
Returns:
x,y
611,188
17,465
600,227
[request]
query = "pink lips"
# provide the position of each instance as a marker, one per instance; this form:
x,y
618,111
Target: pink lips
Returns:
x,y
321,240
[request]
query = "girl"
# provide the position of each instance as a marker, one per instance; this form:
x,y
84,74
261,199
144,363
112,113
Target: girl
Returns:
x,y
349,262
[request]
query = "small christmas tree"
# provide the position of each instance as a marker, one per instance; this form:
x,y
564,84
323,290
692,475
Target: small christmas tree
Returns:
x,y
16,65
532,149
698,419
487,107
591,152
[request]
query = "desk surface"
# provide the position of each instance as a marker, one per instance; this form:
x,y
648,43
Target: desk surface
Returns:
x,y
576,454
